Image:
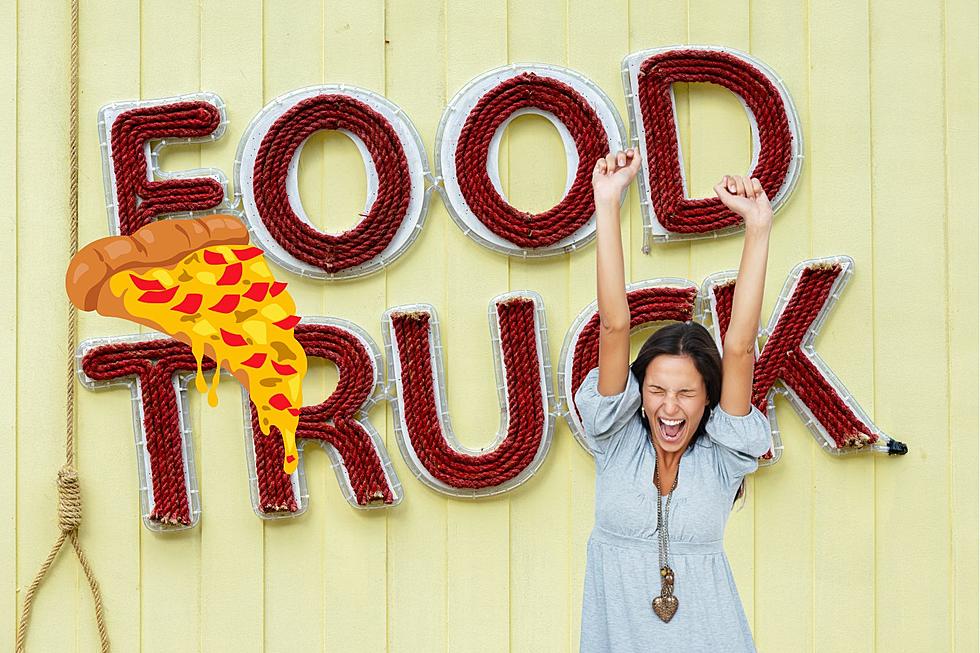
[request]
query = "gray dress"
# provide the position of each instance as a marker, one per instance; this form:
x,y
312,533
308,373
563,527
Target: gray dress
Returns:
x,y
623,568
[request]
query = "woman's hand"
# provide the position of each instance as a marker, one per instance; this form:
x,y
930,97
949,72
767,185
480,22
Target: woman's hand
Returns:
x,y
613,173
746,197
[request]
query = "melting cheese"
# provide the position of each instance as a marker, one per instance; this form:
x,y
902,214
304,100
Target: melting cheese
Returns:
x,y
225,299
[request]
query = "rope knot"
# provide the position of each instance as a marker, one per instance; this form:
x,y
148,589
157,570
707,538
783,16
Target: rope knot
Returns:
x,y
69,499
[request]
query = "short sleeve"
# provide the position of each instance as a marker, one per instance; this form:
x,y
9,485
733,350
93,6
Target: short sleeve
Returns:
x,y
741,440
602,415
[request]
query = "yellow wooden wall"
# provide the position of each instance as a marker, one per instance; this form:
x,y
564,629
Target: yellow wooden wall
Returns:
x,y
858,554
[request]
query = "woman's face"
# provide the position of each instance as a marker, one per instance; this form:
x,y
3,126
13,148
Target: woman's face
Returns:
x,y
674,398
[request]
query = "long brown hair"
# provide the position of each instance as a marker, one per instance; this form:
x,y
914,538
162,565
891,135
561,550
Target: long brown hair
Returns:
x,y
694,341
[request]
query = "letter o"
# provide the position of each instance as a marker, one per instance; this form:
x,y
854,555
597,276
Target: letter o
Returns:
x,y
395,167
468,143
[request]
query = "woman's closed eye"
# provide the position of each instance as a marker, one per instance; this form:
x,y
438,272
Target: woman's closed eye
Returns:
x,y
683,393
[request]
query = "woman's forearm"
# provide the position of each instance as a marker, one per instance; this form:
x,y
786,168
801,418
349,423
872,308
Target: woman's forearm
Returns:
x,y
749,286
610,276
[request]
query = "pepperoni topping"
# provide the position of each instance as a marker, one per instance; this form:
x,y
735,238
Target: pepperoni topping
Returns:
x,y
256,361
277,288
158,296
293,411
247,253
213,258
190,304
279,402
257,291
288,322
232,339
227,304
290,458
233,273
284,368
146,284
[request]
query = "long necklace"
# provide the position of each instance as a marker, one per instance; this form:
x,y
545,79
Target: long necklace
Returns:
x,y
664,605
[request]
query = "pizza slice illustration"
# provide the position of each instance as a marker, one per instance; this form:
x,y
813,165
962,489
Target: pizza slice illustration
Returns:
x,y
200,281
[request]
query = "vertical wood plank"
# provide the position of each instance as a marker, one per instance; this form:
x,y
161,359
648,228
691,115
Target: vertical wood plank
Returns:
x,y
42,232
10,601
783,499
911,383
415,79
596,44
720,143
540,541
838,166
109,54
960,37
478,535
232,540
354,580
657,24
171,566
292,50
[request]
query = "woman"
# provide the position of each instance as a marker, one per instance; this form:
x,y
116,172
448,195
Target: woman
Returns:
x,y
674,434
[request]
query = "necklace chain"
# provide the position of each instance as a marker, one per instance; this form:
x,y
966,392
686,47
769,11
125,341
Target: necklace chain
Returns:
x,y
664,605
662,516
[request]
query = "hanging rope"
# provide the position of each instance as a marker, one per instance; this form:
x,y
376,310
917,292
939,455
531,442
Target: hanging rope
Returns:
x,y
69,495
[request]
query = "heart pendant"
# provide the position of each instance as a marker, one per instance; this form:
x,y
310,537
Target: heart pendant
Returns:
x,y
665,607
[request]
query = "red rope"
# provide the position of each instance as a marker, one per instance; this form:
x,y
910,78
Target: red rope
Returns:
x,y
367,239
782,358
331,421
675,212
154,363
526,418
525,229
138,199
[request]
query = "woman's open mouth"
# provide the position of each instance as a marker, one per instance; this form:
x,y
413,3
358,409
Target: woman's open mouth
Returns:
x,y
671,429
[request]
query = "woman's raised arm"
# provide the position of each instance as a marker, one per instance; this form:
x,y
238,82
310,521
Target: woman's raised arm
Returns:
x,y
610,176
747,198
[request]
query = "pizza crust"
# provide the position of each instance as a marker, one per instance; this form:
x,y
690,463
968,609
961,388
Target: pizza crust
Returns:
x,y
158,244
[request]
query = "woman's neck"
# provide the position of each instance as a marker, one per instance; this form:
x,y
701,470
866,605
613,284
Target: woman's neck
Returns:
x,y
668,462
